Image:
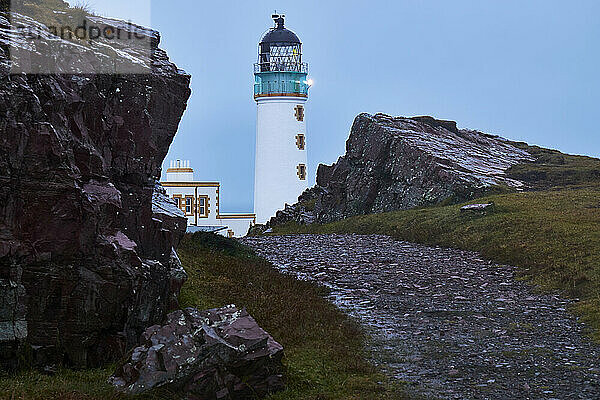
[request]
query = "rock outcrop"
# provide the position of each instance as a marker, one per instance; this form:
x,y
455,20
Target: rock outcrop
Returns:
x,y
87,262
396,163
215,354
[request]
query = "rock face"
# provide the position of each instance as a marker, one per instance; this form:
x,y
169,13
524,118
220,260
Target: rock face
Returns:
x,y
86,261
214,354
395,163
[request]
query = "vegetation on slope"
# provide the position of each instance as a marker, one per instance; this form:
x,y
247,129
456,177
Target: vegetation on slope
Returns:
x,y
552,168
50,12
553,236
323,348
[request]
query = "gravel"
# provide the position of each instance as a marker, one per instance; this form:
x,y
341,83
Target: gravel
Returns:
x,y
448,323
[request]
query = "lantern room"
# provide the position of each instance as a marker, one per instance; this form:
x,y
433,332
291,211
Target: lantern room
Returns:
x,y
280,70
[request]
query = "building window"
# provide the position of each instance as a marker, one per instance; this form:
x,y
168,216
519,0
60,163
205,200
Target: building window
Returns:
x,y
189,205
230,233
301,141
301,171
299,113
179,201
203,206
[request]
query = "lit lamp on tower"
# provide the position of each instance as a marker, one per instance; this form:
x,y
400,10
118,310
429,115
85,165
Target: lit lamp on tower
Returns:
x,y
280,90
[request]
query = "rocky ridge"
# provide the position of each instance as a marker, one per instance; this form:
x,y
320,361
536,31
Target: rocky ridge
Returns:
x,y
87,261
396,163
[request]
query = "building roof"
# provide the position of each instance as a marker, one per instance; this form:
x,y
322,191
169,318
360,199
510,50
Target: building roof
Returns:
x,y
209,229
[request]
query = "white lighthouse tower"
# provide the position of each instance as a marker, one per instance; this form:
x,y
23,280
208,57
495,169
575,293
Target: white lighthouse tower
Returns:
x,y
280,91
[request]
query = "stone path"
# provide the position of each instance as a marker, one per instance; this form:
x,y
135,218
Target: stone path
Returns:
x,y
449,323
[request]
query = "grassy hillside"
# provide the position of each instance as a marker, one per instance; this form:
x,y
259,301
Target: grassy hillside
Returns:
x,y
555,169
67,385
552,236
323,348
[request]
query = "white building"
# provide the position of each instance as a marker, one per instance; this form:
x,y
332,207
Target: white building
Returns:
x,y
200,203
280,90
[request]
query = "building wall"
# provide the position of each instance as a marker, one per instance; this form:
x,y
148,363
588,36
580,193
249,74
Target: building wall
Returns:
x,y
278,156
200,203
236,225
207,215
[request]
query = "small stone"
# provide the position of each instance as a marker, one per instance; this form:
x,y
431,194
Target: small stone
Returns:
x,y
453,372
477,207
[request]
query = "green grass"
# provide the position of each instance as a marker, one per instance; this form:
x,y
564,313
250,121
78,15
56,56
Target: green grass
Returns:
x,y
555,169
58,15
552,236
324,355
67,385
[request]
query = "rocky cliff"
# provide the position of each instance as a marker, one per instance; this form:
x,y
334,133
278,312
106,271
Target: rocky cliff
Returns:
x,y
395,163
87,261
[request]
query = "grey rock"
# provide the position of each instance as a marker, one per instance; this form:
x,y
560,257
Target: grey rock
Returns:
x,y
397,163
87,257
302,213
215,354
477,208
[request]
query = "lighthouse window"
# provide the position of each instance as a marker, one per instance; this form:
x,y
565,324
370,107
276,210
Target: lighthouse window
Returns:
x,y
301,172
203,206
299,113
300,141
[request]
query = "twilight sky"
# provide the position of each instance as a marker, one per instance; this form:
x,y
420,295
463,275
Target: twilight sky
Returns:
x,y
525,70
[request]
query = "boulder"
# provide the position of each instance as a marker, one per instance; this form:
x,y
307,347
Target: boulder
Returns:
x,y
477,208
398,163
87,262
215,354
303,212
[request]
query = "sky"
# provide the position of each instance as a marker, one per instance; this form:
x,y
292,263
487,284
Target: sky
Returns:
x,y
525,70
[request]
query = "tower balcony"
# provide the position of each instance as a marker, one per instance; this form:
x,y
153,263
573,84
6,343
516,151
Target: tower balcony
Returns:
x,y
280,83
293,88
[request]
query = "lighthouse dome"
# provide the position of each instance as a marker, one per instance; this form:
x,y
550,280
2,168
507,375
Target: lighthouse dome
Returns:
x,y
280,50
280,34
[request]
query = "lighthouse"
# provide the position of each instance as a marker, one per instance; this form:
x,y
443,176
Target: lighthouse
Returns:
x,y
280,91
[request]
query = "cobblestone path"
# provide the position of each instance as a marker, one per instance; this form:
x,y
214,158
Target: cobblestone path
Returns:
x,y
447,322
